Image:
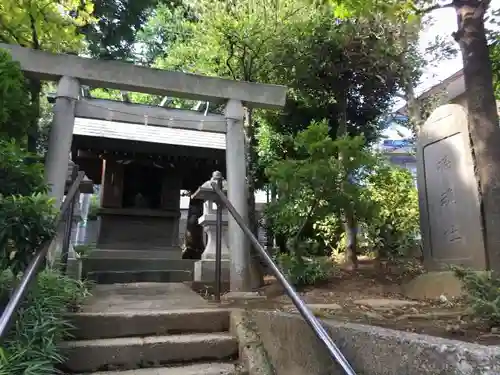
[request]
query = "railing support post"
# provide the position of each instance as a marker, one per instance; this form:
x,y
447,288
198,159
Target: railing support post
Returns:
x,y
68,227
218,241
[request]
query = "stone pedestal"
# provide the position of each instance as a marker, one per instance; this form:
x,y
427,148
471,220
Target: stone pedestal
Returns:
x,y
204,269
433,285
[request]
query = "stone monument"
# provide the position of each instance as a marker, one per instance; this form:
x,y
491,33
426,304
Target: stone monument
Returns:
x,y
204,269
450,216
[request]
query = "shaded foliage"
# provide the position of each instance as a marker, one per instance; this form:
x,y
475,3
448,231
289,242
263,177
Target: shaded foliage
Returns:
x,y
15,103
116,25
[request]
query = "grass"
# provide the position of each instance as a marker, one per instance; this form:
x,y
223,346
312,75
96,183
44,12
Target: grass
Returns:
x,y
31,347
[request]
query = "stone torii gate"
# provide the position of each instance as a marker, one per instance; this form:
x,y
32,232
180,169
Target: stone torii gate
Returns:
x,y
72,71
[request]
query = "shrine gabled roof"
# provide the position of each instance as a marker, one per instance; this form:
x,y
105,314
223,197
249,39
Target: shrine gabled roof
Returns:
x,y
149,134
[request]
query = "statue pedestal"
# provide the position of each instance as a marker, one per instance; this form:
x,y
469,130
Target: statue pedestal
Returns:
x,y
204,269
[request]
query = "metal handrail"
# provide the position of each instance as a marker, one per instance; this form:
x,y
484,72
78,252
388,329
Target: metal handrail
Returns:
x,y
35,264
306,313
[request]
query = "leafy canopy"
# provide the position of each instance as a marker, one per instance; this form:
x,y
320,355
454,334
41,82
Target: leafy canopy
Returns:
x,y
15,104
44,24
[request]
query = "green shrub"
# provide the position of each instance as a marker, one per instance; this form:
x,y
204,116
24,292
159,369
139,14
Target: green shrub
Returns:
x,y
84,251
26,223
483,293
16,113
21,173
94,208
391,224
26,213
305,271
31,345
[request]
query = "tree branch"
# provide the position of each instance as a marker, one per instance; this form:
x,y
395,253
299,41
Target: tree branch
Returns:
x,y
431,8
306,220
12,34
230,56
34,34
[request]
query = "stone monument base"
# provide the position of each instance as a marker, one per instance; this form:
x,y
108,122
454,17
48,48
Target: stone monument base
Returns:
x,y
204,270
432,285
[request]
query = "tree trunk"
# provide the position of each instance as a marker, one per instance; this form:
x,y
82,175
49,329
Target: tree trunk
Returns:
x,y
250,165
193,237
35,87
483,118
413,108
348,219
351,249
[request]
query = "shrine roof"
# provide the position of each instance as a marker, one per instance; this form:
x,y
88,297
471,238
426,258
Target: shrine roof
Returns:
x,y
149,134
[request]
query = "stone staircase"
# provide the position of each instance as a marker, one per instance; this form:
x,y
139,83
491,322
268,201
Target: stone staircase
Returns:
x,y
133,266
175,342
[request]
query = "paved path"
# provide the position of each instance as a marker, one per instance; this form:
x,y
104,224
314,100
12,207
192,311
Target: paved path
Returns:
x,y
143,297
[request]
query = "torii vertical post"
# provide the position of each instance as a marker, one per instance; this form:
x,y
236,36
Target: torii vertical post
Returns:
x,y
239,245
61,136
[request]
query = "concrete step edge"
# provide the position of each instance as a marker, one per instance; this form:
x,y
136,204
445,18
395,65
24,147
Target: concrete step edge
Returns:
x,y
149,340
130,257
138,271
129,353
148,313
136,264
209,368
140,276
90,326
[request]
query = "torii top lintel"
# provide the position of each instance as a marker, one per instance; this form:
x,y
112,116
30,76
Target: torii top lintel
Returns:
x,y
129,77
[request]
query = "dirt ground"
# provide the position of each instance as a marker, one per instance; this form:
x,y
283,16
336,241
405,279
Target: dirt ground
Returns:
x,y
369,296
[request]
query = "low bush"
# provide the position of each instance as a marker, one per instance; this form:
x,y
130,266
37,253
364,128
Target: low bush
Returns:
x,y
31,347
84,251
26,223
94,208
483,293
305,271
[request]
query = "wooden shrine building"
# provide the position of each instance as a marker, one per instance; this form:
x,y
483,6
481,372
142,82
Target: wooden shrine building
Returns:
x,y
142,169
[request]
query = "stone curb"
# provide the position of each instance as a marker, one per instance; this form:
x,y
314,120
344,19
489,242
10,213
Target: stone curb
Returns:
x,y
253,356
293,349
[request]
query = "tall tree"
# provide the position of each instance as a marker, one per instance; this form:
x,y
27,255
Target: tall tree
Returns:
x,y
483,115
166,24
48,25
234,39
112,35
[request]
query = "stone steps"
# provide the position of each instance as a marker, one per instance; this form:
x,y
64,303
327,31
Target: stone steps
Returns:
x,y
150,351
197,369
92,264
139,343
140,276
173,252
123,324
121,266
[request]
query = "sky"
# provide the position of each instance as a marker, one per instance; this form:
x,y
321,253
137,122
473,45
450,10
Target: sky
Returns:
x,y
444,24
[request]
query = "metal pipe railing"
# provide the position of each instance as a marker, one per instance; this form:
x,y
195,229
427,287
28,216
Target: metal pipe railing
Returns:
x,y
306,313
218,243
32,270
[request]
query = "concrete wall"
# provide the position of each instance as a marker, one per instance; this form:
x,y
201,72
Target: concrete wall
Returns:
x,y
293,349
460,99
